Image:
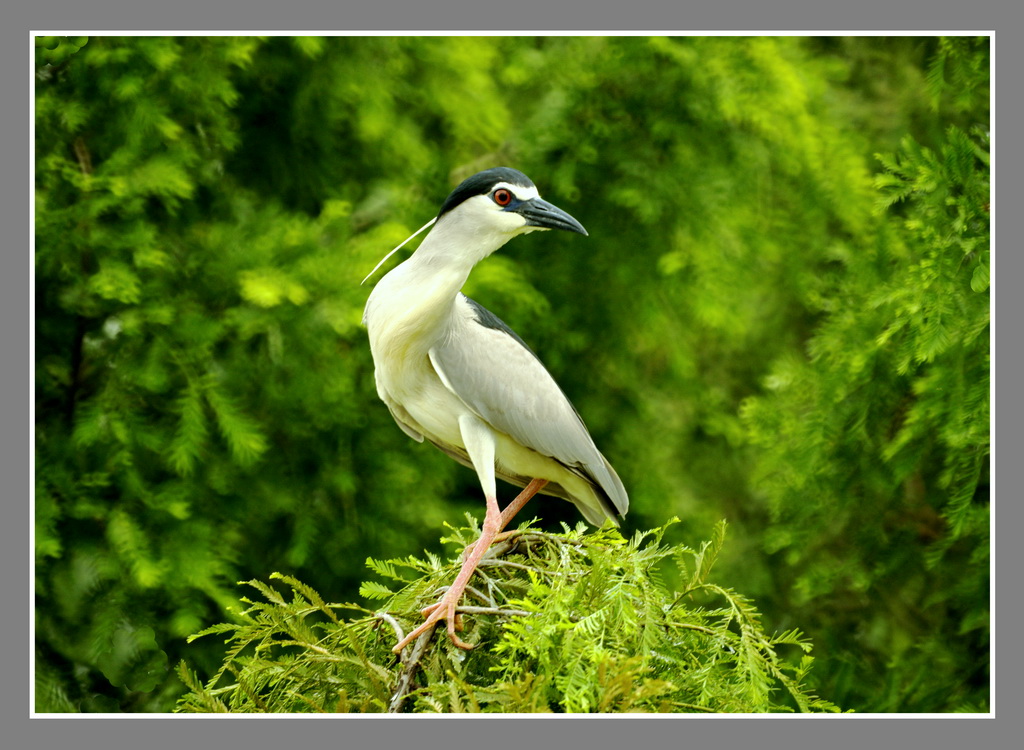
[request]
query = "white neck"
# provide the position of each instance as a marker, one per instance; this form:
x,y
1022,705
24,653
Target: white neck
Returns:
x,y
410,307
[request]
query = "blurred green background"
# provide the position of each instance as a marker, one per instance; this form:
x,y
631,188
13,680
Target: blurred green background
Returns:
x,y
780,318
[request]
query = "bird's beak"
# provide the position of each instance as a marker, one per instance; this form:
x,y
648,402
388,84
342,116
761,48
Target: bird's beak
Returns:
x,y
540,213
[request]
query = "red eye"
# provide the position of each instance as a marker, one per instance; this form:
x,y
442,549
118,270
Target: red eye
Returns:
x,y
502,197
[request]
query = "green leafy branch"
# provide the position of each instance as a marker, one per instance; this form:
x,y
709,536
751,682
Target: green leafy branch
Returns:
x,y
571,622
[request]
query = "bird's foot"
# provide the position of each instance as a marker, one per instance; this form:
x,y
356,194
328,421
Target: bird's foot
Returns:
x,y
444,609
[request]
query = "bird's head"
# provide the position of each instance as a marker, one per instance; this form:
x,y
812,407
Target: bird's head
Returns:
x,y
504,202
483,213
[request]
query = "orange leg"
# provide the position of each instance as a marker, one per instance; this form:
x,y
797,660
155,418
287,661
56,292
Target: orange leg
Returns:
x,y
444,609
522,498
510,511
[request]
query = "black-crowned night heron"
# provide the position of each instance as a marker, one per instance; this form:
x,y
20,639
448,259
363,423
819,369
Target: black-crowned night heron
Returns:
x,y
453,373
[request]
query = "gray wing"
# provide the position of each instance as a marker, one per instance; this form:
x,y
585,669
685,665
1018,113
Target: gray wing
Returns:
x,y
497,376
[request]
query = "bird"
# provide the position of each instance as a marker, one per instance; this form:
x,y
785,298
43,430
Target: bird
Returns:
x,y
452,373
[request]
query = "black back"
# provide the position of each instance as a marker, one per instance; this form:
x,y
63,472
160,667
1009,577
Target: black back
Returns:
x,y
489,320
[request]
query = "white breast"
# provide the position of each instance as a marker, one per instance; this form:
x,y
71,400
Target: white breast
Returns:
x,y
405,318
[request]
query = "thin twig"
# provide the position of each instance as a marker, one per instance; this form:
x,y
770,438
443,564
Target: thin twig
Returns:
x,y
700,628
399,633
491,611
696,708
404,684
480,596
528,538
520,566
489,581
503,547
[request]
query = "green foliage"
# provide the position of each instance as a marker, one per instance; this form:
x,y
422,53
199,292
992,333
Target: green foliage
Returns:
x,y
959,74
767,323
571,623
884,429
54,50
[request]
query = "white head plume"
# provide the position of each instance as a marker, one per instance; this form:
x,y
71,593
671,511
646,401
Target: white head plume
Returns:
x,y
384,259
